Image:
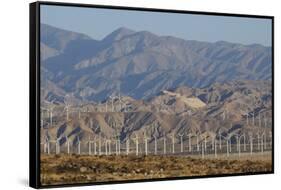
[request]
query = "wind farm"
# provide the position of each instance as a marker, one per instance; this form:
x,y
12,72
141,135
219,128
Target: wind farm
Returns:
x,y
137,106
121,128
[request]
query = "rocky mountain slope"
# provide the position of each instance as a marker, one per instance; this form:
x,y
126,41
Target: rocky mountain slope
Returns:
x,y
141,64
234,107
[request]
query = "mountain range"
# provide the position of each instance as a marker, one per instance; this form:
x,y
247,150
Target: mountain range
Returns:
x,y
141,64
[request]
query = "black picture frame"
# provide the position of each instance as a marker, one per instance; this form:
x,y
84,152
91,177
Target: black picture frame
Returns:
x,y
34,91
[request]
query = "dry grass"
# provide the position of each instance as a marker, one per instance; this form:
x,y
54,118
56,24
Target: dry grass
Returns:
x,y
67,169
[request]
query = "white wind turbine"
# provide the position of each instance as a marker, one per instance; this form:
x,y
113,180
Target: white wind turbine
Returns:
x,y
100,144
202,150
128,146
48,144
58,145
79,145
164,143
145,143
90,146
117,142
215,148
189,141
239,141
67,106
155,144
251,143
173,142
68,145
197,140
95,145
112,98
120,103
45,143
137,144
228,144
106,150
50,109
181,141
51,116
42,109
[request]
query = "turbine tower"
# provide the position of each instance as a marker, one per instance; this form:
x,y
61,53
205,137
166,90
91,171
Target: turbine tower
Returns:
x,y
68,145
181,141
164,143
173,142
189,141
90,146
145,143
137,144
79,146
155,144
128,146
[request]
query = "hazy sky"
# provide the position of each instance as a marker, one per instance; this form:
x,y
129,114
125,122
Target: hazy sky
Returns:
x,y
98,23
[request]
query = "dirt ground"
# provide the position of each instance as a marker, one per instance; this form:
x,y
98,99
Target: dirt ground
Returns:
x,y
67,169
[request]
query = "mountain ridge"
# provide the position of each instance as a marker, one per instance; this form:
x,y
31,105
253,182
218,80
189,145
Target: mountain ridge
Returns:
x,y
141,64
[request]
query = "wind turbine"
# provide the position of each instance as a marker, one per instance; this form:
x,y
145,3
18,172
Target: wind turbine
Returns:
x,y
155,144
45,144
128,146
79,145
58,145
251,143
189,141
120,103
112,102
227,146
237,142
66,108
265,140
145,143
215,148
197,141
202,150
51,116
137,144
68,144
164,141
50,111
258,138
173,142
205,142
117,144
181,141
95,145
90,146
107,146
100,144
48,144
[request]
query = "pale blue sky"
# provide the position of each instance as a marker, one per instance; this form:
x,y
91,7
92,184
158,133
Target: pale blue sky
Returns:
x,y
98,23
